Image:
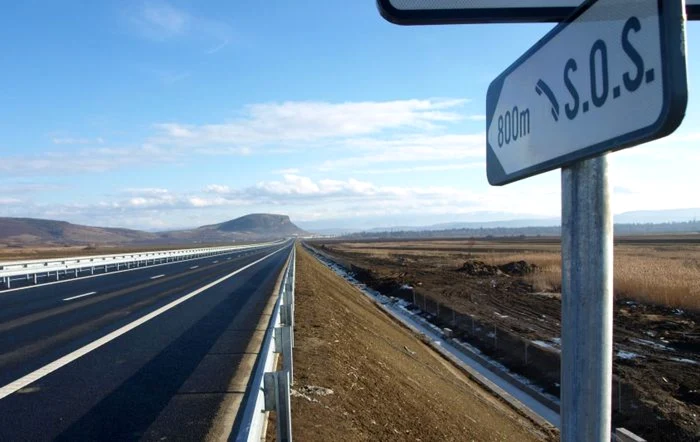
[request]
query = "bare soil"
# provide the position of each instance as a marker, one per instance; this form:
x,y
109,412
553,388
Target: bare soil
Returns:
x,y
657,349
360,376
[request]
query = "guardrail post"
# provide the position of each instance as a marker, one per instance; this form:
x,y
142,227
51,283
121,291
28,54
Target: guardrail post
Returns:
x,y
283,345
286,314
276,392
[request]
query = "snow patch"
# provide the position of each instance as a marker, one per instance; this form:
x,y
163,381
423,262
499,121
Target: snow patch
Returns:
x,y
686,361
652,344
544,344
622,354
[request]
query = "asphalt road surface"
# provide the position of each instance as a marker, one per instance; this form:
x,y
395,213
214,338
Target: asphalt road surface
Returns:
x,y
153,353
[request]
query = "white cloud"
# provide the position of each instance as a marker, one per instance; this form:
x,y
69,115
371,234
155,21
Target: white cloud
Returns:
x,y
71,140
684,137
170,78
94,159
411,148
288,171
414,169
217,48
380,131
217,188
302,122
301,196
161,21
147,191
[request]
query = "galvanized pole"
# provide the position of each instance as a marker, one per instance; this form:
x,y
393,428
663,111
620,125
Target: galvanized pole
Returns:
x,y
587,302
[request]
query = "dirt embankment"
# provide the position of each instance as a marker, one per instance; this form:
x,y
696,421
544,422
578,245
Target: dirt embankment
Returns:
x,y
656,392
361,376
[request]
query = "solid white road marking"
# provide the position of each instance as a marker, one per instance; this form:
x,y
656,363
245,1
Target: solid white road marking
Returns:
x,y
70,357
79,296
193,267
214,262
157,276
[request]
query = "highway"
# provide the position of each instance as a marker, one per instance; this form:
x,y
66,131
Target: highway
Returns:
x,y
152,353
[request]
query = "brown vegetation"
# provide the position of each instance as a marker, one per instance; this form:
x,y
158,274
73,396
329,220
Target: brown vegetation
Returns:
x,y
662,270
464,285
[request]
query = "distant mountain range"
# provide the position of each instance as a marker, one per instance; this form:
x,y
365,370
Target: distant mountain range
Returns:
x,y
658,216
516,223
502,231
636,217
253,227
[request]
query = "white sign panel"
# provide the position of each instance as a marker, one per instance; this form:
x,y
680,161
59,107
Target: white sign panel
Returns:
x,y
610,77
426,12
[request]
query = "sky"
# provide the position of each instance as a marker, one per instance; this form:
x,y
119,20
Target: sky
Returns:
x,y
170,114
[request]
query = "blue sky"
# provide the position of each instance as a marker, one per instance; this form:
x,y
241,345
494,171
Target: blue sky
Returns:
x,y
167,114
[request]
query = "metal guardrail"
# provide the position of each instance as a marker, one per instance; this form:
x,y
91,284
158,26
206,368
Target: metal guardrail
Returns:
x,y
39,268
270,389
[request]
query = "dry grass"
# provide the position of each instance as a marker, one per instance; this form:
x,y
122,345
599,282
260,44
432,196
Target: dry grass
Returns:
x,y
658,276
657,272
646,275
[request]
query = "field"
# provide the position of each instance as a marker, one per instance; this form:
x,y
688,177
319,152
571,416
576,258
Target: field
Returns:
x,y
656,269
481,284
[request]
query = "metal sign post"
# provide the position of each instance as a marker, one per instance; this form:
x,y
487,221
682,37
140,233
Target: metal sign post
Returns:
x,y
586,301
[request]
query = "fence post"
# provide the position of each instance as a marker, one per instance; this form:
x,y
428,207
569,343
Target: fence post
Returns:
x,y
527,346
495,338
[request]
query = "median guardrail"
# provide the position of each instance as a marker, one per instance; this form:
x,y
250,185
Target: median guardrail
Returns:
x,y
36,269
269,389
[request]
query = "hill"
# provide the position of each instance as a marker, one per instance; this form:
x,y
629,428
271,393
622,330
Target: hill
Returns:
x,y
253,227
259,224
34,232
31,231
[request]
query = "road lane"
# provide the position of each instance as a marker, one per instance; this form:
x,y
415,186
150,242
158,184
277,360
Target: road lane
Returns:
x,y
157,357
18,301
35,337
